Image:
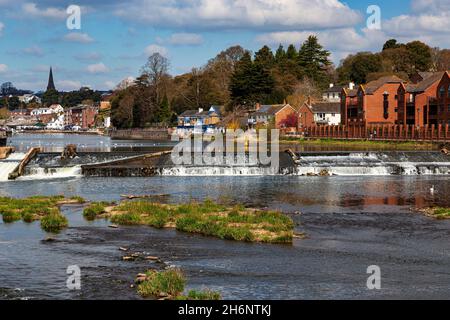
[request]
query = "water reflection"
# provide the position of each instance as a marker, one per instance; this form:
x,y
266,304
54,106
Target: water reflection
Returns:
x,y
84,142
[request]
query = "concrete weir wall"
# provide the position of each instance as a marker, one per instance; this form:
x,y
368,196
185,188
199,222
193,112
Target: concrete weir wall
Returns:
x,y
140,134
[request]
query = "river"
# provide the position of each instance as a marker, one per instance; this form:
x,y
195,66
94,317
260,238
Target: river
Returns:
x,y
352,222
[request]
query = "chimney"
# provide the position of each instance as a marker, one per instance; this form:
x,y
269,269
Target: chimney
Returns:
x,y
351,85
331,85
309,101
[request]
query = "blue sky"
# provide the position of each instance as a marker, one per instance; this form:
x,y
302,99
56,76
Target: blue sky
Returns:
x,y
117,36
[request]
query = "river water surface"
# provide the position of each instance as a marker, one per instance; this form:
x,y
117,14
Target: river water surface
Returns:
x,y
351,223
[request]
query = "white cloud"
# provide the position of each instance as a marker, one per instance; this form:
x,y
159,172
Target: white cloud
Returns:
x,y
183,39
78,37
340,41
2,26
154,48
97,68
270,15
68,85
90,56
109,85
3,68
34,51
436,6
31,9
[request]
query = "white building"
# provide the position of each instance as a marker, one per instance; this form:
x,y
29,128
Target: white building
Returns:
x,y
57,123
54,108
27,98
334,93
326,113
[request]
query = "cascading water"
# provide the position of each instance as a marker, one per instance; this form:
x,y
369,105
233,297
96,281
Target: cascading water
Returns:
x,y
375,163
9,165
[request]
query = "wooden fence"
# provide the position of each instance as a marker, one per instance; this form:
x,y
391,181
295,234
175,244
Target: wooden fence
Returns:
x,y
380,132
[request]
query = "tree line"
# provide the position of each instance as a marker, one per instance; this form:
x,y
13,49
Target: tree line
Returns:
x,y
238,79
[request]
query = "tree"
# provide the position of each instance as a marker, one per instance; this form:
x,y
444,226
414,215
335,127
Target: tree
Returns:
x,y
441,59
280,55
155,69
122,109
291,121
4,113
356,67
390,44
13,103
241,81
50,97
314,60
264,57
251,82
303,90
164,110
420,56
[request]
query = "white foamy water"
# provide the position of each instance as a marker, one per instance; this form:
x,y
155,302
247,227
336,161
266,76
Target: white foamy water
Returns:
x,y
218,171
9,165
38,173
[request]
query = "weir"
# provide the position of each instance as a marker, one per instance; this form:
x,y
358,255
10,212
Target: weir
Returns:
x,y
128,164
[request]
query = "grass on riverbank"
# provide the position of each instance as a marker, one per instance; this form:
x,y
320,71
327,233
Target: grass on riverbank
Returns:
x,y
359,143
437,213
43,208
207,218
95,209
170,284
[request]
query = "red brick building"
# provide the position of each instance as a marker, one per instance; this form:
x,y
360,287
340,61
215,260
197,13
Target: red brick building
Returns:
x,y
443,99
391,100
81,116
374,103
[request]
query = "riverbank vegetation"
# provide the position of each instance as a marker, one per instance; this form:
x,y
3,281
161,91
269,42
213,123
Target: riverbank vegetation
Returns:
x,y
42,208
207,218
437,212
170,284
411,145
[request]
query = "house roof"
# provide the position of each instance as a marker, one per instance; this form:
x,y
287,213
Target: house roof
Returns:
x,y
196,113
334,89
326,107
374,85
351,92
271,109
423,85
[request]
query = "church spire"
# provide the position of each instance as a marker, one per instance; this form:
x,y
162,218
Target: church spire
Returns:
x,y
51,84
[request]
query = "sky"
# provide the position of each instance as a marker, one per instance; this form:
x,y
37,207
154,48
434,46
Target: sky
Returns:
x,y
117,36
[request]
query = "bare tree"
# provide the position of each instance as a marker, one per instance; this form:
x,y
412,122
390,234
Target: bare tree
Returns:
x,y
156,68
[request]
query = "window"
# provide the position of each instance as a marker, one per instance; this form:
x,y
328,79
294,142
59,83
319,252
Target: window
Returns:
x,y
333,114
448,92
386,106
441,92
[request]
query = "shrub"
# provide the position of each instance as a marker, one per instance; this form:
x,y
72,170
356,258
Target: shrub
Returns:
x,y
54,222
170,282
129,218
93,210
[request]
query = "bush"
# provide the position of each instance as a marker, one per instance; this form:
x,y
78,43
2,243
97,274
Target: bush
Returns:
x,y
203,295
170,282
129,218
94,210
54,222
10,216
